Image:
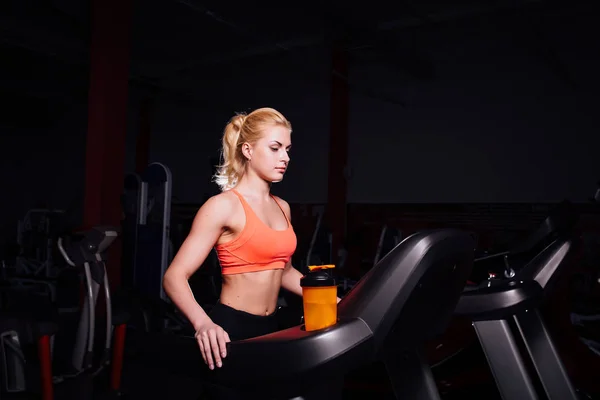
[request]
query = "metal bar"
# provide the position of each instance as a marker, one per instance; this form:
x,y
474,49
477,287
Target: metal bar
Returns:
x,y
546,360
505,360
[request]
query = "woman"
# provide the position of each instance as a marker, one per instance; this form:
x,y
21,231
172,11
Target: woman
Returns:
x,y
252,233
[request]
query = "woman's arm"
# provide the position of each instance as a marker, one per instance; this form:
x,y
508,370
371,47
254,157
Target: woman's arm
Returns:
x,y
209,223
290,280
206,229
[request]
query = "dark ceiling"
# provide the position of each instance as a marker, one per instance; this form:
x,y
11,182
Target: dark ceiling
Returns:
x,y
45,42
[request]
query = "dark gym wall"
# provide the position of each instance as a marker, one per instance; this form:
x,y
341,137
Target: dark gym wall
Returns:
x,y
42,139
496,122
42,151
504,117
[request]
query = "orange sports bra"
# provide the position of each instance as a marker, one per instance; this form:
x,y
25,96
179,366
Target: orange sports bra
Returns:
x,y
258,247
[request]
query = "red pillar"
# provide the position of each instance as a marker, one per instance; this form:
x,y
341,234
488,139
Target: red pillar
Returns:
x,y
338,149
107,118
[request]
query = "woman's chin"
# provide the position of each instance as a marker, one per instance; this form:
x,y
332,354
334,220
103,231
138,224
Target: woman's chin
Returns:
x,y
276,178
273,178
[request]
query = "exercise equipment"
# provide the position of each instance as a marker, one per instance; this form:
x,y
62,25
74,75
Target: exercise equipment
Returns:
x,y
37,322
505,314
560,221
88,250
148,245
11,358
147,251
388,239
37,233
407,297
489,270
26,328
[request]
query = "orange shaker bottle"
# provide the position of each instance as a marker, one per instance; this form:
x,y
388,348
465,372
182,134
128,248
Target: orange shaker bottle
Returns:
x,y
319,297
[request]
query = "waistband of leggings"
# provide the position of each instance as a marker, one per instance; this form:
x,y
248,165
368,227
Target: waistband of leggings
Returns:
x,y
245,314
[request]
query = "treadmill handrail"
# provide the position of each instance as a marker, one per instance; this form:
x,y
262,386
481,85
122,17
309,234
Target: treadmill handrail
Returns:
x,y
544,266
562,220
381,296
494,299
317,348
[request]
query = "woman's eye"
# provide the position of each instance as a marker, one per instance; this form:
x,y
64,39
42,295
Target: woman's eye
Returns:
x,y
274,149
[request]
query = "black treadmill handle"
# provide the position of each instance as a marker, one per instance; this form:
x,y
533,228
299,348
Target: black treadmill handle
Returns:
x,y
493,298
290,352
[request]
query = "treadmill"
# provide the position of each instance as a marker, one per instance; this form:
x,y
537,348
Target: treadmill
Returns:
x,y
561,220
517,345
408,297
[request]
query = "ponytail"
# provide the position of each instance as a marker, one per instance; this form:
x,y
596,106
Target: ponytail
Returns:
x,y
232,168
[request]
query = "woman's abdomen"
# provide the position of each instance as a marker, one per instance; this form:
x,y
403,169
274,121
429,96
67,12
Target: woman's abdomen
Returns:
x,y
252,292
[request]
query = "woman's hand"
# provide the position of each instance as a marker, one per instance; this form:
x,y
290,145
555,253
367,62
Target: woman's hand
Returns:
x,y
212,339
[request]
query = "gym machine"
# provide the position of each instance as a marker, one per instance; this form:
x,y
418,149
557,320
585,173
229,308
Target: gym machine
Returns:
x,y
88,251
491,270
147,250
85,251
517,345
36,235
146,230
408,296
505,316
388,239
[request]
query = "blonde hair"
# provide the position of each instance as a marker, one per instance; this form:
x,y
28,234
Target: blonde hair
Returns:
x,y
241,129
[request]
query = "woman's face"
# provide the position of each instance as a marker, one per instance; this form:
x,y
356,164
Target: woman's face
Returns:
x,y
269,156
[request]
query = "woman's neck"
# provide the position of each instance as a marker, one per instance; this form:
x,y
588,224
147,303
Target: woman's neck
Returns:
x,y
254,186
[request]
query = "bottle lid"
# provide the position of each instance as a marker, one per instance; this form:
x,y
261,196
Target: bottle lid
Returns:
x,y
318,277
317,267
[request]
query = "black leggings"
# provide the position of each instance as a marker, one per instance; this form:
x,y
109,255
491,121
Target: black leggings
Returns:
x,y
239,325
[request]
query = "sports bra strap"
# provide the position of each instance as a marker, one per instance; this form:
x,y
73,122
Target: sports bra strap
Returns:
x,y
249,209
281,208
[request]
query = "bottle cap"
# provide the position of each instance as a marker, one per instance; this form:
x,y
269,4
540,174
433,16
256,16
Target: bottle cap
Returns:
x,y
318,277
317,267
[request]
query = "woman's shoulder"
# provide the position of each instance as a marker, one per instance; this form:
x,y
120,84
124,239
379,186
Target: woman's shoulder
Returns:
x,y
220,204
226,199
284,205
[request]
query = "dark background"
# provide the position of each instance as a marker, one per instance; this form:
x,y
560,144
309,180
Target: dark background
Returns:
x,y
449,102
472,114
